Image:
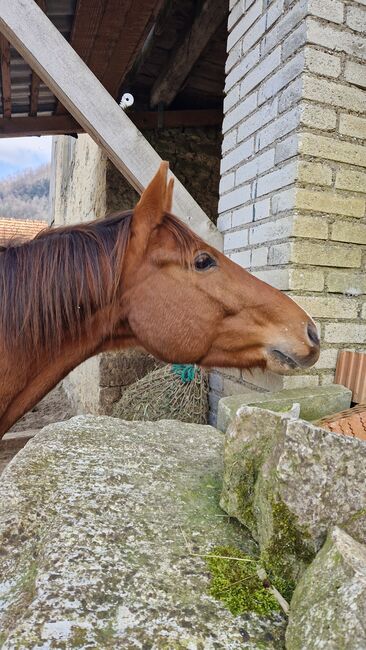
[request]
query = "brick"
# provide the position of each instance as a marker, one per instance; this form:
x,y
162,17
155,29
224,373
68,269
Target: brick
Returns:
x,y
321,63
259,256
309,226
254,34
300,381
243,258
234,15
284,200
242,216
353,126
349,232
327,359
290,95
355,73
284,26
233,57
314,173
254,167
243,25
256,121
329,202
336,94
239,112
231,98
229,141
261,209
307,279
216,381
260,72
325,254
224,222
227,183
363,311
276,179
336,39
246,63
331,10
349,283
345,333
235,198
294,42
318,117
351,180
327,306
237,239
278,128
270,231
281,78
323,147
287,148
279,254
274,12
356,19
237,155
326,379
277,278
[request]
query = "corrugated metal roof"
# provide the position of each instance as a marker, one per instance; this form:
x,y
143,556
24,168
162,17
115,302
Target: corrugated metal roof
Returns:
x,y
61,13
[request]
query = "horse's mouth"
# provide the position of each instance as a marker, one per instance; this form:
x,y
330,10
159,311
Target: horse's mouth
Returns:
x,y
280,362
284,360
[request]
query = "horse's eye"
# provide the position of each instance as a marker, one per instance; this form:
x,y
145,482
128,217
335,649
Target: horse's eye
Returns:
x,y
203,262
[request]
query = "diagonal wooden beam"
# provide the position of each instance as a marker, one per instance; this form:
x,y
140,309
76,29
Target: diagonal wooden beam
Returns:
x,y
185,55
25,25
5,75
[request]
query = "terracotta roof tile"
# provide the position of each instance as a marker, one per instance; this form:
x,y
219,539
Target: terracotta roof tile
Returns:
x,y
19,229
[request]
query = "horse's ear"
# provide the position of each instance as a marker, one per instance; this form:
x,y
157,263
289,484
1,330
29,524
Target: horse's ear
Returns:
x,y
151,207
169,196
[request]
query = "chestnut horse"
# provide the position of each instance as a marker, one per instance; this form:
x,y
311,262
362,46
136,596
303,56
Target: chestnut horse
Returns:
x,y
139,278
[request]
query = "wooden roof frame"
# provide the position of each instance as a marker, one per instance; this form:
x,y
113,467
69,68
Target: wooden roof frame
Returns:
x,y
30,31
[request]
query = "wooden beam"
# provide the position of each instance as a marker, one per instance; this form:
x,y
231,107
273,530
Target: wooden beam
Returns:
x,y
16,127
185,55
65,124
5,75
34,36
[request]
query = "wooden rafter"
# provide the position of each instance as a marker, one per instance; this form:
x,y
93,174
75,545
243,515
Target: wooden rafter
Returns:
x,y
71,81
185,55
65,124
5,75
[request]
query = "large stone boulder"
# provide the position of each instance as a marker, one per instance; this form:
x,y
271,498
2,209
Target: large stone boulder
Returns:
x,y
104,530
328,609
289,482
315,402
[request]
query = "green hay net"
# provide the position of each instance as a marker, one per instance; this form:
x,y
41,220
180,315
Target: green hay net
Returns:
x,y
177,392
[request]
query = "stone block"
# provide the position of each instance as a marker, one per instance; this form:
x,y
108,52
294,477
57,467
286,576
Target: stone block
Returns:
x,y
332,149
318,117
349,283
352,125
322,63
356,19
336,39
325,254
277,278
309,226
314,402
349,232
314,173
307,279
330,202
334,93
290,482
331,10
328,306
351,180
345,333
328,607
355,73
145,497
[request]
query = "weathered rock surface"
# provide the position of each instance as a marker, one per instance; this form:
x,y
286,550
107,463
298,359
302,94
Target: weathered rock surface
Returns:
x,y
100,521
314,402
289,482
328,609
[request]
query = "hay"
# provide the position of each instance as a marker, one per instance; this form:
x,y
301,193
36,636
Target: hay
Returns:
x,y
174,392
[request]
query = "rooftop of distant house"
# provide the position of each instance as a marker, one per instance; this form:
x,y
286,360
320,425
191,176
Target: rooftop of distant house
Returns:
x,y
20,228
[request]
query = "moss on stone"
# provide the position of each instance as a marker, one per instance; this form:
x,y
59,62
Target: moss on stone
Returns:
x,y
236,582
289,547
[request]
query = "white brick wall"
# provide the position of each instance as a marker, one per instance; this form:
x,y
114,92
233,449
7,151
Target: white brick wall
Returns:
x,y
293,188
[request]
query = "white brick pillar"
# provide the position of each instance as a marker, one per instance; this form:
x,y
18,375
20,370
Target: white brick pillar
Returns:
x,y
293,179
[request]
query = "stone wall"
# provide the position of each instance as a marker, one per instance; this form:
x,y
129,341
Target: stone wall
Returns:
x,y
86,186
293,183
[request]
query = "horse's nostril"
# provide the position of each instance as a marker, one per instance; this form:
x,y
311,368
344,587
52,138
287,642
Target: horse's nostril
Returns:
x,y
313,334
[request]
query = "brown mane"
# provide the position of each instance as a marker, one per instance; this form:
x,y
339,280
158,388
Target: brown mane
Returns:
x,y
45,290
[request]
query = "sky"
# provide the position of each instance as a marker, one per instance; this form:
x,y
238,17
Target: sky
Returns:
x,y
19,154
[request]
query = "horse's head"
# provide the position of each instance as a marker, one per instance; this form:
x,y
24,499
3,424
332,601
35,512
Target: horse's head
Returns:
x,y
186,302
